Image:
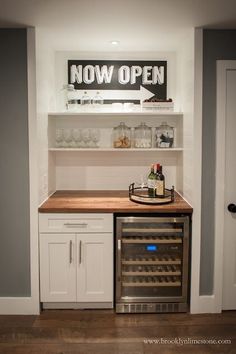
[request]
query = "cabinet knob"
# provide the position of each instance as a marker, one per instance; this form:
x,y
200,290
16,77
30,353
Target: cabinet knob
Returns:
x,y
232,208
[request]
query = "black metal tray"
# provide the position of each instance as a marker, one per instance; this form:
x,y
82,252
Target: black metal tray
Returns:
x,y
139,194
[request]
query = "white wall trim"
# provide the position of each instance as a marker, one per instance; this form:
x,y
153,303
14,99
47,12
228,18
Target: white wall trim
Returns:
x,y
18,306
29,305
222,67
207,304
195,299
33,168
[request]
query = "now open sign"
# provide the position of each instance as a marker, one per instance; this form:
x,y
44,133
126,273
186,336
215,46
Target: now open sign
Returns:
x,y
123,81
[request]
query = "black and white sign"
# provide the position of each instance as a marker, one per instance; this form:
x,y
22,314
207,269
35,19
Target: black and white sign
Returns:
x,y
119,81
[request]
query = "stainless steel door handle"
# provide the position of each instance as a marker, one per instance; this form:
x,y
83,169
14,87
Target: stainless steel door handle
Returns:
x,y
80,252
68,224
70,251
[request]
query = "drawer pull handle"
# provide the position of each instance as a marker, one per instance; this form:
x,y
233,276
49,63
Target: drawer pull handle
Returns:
x,y
80,251
70,251
76,224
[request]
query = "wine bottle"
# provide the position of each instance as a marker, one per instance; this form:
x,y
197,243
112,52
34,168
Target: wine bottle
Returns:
x,y
160,182
151,182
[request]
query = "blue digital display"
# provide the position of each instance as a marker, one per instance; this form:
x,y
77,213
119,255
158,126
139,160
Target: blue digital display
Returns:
x,y
151,248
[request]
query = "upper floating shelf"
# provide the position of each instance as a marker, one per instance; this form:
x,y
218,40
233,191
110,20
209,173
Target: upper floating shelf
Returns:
x,y
104,112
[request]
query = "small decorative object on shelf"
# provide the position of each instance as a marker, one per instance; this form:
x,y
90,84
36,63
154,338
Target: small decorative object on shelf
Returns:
x,y
142,136
122,136
139,194
97,100
71,101
158,104
85,100
164,136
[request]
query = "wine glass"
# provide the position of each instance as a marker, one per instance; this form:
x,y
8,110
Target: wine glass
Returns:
x,y
95,137
67,137
86,137
77,138
59,138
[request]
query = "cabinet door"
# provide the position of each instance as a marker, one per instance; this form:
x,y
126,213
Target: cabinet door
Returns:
x,y
57,267
95,268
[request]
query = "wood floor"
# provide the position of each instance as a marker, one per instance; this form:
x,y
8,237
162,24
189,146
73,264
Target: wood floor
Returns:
x,y
104,332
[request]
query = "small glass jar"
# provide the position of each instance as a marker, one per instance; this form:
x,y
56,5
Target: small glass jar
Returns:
x,y
85,100
143,136
97,100
164,136
122,136
71,101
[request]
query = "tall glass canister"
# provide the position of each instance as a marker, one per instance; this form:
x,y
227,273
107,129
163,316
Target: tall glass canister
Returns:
x,y
164,136
122,136
143,136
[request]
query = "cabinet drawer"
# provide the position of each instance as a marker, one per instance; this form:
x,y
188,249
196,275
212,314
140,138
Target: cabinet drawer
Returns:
x,y
79,223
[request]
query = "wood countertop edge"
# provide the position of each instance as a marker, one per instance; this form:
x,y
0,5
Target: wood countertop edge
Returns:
x,y
107,202
115,210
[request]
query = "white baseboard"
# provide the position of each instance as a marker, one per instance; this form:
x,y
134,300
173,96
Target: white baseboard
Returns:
x,y
18,306
78,305
205,304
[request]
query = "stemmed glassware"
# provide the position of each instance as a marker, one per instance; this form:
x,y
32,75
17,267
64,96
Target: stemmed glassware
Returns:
x,y
68,137
59,138
77,138
95,137
86,137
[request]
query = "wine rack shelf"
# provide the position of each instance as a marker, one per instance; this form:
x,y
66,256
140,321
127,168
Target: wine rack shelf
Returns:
x,y
154,261
151,284
169,240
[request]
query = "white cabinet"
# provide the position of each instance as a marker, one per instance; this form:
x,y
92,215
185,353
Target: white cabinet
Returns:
x,y
57,267
76,266
95,268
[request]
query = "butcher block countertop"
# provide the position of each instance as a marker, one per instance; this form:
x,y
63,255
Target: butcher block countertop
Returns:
x,y
106,202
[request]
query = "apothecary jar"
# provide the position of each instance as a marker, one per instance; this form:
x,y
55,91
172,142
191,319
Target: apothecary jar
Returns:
x,y
142,136
164,136
122,136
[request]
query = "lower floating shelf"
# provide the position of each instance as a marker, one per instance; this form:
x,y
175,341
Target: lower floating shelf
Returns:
x,y
117,150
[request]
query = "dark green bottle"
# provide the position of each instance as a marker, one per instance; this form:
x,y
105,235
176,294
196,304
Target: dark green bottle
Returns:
x,y
160,182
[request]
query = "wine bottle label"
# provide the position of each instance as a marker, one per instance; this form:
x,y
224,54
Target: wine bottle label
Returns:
x,y
151,183
160,188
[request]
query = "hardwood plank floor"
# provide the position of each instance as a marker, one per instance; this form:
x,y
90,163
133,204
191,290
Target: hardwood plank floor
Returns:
x,y
104,332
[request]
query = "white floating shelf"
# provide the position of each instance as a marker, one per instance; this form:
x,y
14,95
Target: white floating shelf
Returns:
x,y
113,149
116,113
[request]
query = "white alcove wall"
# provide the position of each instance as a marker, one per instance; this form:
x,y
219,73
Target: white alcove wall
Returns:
x,y
79,169
112,169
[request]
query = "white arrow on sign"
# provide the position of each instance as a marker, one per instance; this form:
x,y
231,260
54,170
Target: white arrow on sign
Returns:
x,y
141,94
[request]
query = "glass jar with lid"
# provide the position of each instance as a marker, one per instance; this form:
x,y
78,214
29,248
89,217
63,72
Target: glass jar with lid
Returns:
x,y
143,136
97,100
122,136
70,94
164,136
85,100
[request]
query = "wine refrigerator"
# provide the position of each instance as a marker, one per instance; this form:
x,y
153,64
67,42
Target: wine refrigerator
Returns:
x,y
152,264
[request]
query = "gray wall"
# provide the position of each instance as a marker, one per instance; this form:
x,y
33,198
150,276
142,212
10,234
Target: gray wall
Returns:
x,y
14,167
217,45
